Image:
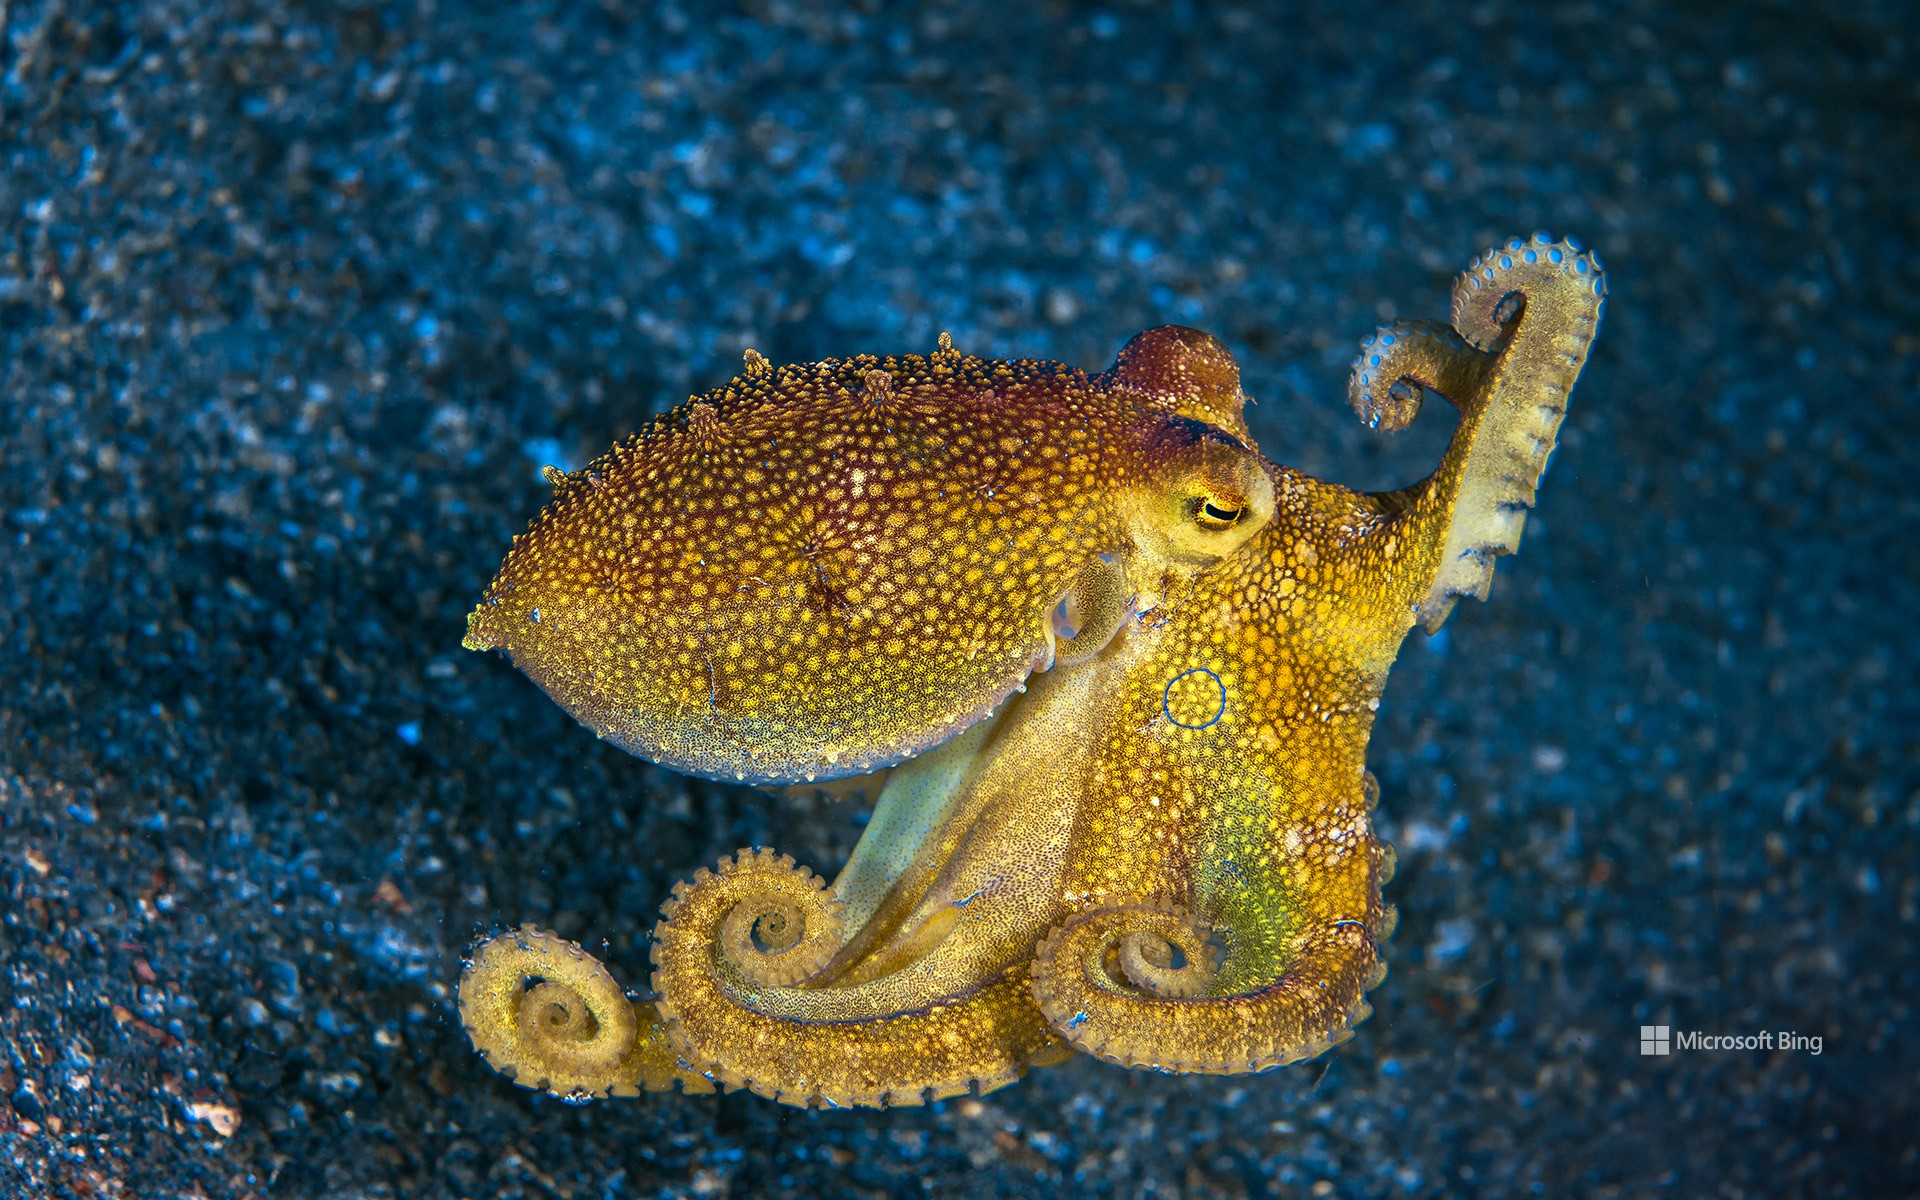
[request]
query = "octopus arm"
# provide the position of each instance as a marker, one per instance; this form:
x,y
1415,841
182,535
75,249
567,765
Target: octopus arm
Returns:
x,y
1524,316
549,1016
1266,951
928,803
1133,986
908,1038
917,803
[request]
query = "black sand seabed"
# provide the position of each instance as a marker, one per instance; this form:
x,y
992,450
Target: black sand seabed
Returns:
x,y
296,299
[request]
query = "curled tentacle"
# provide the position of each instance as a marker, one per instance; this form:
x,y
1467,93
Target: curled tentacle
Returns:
x,y
1538,272
1093,990
784,927
1165,955
876,1044
548,1015
776,923
1527,310
1398,360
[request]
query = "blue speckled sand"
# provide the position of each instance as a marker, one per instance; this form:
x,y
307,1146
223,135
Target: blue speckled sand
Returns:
x,y
296,299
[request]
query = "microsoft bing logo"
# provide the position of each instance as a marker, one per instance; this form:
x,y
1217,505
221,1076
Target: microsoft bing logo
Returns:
x,y
1664,1040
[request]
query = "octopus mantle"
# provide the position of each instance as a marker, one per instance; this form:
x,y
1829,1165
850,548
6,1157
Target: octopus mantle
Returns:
x,y
1107,672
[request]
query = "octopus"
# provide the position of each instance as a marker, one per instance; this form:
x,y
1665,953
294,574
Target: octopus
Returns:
x,y
1106,672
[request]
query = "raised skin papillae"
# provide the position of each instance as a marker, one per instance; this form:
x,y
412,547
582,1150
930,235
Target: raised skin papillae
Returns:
x,y
1108,672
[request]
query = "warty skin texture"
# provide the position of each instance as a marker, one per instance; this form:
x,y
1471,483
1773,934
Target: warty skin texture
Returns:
x,y
1160,853
816,571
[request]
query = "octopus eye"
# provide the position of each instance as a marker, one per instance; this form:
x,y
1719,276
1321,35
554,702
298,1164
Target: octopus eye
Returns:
x,y
1214,515
1204,495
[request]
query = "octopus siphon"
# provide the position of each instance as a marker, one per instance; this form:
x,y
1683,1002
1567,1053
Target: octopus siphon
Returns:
x,y
1106,672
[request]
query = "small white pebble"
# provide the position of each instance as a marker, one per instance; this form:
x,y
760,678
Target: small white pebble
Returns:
x,y
221,1118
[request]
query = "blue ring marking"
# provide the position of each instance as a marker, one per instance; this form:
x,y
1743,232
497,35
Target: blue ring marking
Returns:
x,y
1167,695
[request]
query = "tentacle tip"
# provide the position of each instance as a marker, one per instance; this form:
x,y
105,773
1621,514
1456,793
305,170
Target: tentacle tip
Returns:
x,y
1387,407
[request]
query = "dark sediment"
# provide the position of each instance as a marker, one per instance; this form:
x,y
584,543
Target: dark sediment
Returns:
x,y
295,300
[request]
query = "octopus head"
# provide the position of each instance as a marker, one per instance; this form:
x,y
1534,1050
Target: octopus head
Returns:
x,y
1210,494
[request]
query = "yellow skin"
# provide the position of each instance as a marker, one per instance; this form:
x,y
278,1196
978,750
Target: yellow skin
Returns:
x,y
1161,851
817,571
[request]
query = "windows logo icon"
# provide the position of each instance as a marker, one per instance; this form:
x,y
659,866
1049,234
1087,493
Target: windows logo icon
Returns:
x,y
1655,1039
